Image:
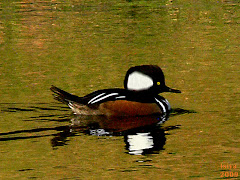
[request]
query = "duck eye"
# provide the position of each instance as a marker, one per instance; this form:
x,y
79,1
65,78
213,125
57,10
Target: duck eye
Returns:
x,y
158,83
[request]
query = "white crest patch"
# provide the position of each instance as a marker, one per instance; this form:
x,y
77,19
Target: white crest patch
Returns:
x,y
138,81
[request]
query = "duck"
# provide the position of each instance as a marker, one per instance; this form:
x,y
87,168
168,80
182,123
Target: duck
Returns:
x,y
139,97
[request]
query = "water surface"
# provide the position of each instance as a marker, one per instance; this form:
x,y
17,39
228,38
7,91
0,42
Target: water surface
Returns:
x,y
82,46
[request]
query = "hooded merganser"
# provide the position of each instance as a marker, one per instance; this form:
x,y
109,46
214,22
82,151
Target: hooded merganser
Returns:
x,y
142,84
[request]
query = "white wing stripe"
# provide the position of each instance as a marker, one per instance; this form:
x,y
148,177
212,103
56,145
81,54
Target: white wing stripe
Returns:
x,y
104,97
120,97
95,98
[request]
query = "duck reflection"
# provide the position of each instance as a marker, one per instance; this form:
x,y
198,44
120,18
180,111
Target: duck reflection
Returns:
x,y
142,141
142,135
137,143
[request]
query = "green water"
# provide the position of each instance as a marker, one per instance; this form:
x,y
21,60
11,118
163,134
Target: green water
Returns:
x,y
82,46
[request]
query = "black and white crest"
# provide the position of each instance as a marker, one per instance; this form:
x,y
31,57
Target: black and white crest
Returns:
x,y
138,81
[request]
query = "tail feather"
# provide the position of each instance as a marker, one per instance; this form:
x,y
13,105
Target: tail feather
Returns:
x,y
64,96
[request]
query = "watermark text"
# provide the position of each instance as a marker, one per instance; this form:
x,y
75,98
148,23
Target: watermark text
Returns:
x,y
228,170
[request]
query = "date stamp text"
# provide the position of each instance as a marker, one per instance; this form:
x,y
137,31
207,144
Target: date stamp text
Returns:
x,y
228,170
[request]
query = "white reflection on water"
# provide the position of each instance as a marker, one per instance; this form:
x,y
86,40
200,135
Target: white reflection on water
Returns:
x,y
139,142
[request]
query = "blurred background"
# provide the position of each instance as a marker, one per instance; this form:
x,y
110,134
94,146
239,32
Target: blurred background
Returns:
x,y
83,46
